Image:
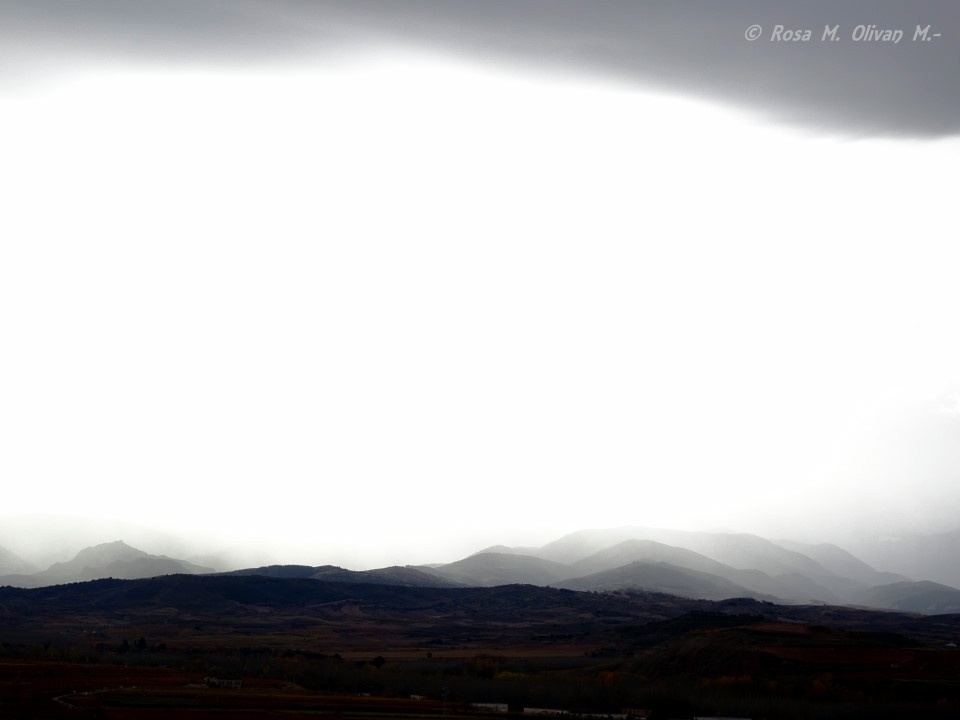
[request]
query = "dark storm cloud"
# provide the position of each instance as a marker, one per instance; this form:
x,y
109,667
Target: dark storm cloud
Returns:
x,y
695,47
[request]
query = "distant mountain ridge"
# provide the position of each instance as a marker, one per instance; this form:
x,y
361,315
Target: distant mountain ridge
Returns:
x,y
107,560
931,556
737,550
489,569
666,578
925,597
708,566
754,582
396,575
840,562
700,565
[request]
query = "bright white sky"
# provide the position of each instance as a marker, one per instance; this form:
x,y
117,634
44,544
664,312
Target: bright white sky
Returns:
x,y
399,307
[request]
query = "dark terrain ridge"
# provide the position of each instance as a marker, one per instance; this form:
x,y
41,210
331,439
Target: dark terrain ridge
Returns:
x,y
524,645
251,602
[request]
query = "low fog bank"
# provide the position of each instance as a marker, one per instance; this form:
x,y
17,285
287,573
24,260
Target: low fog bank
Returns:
x,y
44,540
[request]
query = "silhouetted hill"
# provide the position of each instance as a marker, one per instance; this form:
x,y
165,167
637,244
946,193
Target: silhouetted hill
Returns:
x,y
842,563
489,569
237,603
805,579
395,575
757,582
584,543
918,556
735,564
143,567
230,598
331,573
925,597
662,577
738,550
507,550
277,632
278,571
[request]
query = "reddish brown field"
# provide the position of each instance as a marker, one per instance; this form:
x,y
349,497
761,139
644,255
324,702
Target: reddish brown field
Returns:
x,y
876,664
307,650
37,689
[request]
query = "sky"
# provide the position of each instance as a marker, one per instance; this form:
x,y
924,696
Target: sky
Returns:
x,y
371,283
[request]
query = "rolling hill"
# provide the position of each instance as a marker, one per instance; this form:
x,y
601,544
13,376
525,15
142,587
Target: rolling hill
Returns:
x,y
662,577
753,582
919,556
159,637
842,563
925,597
738,550
697,564
489,569
404,576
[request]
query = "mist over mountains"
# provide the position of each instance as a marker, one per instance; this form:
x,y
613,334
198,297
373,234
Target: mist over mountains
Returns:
x,y
11,563
116,560
305,640
697,565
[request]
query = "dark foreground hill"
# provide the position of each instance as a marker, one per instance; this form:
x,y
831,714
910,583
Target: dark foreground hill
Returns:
x,y
250,604
522,645
396,575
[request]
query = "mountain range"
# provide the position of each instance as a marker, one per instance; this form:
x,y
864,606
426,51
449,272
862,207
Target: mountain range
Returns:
x,y
115,559
700,565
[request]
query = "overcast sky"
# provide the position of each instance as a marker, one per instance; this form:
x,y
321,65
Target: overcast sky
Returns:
x,y
370,282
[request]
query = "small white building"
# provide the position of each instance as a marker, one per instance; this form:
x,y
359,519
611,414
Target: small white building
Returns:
x,y
490,707
543,711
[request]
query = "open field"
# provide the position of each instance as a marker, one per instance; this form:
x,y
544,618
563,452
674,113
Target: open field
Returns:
x,y
304,648
117,692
